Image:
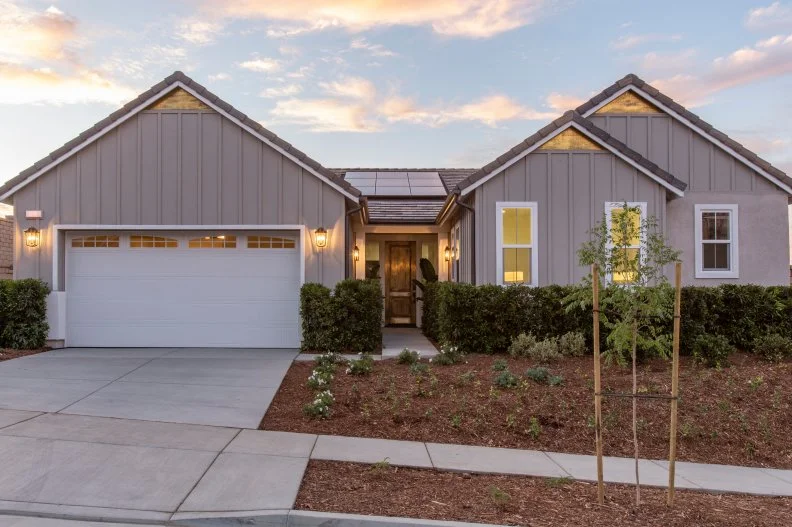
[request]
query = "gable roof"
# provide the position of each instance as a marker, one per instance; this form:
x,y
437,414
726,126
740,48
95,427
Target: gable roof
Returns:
x,y
173,82
449,176
421,211
586,127
682,114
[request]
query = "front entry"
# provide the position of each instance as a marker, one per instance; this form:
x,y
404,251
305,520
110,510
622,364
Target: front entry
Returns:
x,y
399,275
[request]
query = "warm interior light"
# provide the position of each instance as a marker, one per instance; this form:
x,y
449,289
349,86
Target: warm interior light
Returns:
x,y
356,253
447,253
32,237
513,276
221,237
321,237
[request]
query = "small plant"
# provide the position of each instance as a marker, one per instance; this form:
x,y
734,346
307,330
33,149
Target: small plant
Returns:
x,y
534,428
539,374
712,350
521,345
559,482
555,380
506,379
320,407
500,365
773,347
545,350
380,467
456,420
499,497
419,368
408,356
467,377
447,356
320,379
361,366
328,360
572,344
756,382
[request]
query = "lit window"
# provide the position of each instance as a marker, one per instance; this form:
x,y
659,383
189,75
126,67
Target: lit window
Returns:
x,y
140,241
213,242
270,242
517,257
625,223
95,241
716,241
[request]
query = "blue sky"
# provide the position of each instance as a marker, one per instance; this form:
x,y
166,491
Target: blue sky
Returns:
x,y
406,83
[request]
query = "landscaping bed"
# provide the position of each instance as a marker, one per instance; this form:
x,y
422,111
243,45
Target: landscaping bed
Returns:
x,y
8,354
737,415
517,500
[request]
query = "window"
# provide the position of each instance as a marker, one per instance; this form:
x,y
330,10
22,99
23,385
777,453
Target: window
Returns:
x,y
270,242
95,241
137,241
213,242
455,251
717,253
372,257
517,258
633,248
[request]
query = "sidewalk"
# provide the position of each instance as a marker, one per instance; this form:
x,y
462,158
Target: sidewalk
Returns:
x,y
394,340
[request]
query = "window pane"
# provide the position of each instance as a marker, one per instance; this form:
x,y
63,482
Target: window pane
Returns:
x,y
716,256
722,226
625,266
707,225
524,226
517,266
509,226
626,224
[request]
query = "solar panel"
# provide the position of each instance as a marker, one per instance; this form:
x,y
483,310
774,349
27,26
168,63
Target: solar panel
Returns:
x,y
397,183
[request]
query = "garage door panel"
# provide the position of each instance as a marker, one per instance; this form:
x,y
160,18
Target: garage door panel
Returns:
x,y
172,297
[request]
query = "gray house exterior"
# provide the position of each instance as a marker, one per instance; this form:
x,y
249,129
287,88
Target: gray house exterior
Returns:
x,y
179,221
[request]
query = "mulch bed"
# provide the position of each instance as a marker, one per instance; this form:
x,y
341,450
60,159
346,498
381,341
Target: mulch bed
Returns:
x,y
8,354
515,500
740,415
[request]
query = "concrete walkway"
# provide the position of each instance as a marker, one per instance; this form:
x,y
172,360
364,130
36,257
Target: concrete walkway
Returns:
x,y
394,340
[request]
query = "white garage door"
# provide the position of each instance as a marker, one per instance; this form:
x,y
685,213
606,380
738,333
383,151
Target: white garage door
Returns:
x,y
182,289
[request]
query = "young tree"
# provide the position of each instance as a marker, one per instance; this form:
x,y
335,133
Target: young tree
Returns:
x,y
632,255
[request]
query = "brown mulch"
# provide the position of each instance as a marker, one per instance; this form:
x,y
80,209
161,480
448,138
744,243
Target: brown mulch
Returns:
x,y
740,415
516,500
8,354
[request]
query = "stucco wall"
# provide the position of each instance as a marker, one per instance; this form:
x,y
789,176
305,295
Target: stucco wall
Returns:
x,y
6,247
181,168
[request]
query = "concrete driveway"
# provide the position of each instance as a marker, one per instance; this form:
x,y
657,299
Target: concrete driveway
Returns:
x,y
217,387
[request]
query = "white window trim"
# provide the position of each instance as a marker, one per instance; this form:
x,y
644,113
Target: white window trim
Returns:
x,y
499,246
454,262
609,206
734,253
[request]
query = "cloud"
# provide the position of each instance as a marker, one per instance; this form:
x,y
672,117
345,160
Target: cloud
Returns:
x,y
676,60
561,102
766,59
375,50
463,18
632,41
325,115
289,50
199,32
26,34
288,90
219,77
774,16
261,65
24,85
350,87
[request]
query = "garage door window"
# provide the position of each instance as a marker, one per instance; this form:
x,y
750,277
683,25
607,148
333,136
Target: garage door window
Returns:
x,y
95,241
213,242
137,241
270,242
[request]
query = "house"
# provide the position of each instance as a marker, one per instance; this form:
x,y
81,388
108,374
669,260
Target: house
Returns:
x,y
180,221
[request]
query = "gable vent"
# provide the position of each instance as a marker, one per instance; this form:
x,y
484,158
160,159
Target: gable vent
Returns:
x,y
570,139
178,99
628,102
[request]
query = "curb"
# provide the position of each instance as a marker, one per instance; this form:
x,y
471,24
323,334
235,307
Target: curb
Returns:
x,y
298,518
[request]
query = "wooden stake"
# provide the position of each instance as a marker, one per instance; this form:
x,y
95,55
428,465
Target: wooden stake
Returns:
x,y
635,410
597,385
675,382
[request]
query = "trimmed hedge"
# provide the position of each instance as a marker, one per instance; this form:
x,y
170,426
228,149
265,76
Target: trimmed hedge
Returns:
x,y
430,323
23,313
348,319
486,318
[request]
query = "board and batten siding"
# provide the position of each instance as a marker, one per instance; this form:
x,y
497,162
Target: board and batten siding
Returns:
x,y
716,177
570,189
181,167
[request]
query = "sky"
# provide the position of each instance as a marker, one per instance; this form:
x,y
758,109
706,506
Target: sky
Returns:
x,y
399,83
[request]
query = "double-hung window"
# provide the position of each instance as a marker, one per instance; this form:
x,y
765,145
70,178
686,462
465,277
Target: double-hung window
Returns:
x,y
717,253
625,222
517,258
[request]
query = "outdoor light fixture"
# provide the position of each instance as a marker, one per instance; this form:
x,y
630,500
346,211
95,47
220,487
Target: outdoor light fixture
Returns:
x,y
32,237
356,253
447,253
321,237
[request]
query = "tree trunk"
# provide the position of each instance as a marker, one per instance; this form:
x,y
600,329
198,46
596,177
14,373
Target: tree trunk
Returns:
x,y
635,410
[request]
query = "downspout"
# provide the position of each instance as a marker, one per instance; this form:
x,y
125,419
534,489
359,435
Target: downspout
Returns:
x,y
472,236
346,236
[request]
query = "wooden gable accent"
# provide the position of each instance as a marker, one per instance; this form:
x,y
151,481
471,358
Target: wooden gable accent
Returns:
x,y
570,139
628,102
178,99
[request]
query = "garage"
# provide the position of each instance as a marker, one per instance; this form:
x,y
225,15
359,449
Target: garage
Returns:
x,y
183,289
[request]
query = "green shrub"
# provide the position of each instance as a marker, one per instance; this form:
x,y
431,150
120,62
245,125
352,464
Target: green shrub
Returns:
x,y
712,350
545,350
430,315
555,380
773,347
522,345
506,379
318,318
447,356
538,374
328,361
572,344
500,365
320,379
23,313
320,407
361,366
419,368
408,356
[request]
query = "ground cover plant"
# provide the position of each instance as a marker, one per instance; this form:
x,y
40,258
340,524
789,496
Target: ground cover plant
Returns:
x,y
739,414
516,500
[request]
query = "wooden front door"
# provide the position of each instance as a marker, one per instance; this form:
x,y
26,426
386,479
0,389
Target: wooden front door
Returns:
x,y
399,274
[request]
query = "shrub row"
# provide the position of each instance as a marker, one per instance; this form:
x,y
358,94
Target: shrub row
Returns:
x,y
23,313
486,318
348,319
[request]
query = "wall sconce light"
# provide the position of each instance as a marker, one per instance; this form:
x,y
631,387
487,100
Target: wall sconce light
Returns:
x,y
447,253
356,253
320,236
32,237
